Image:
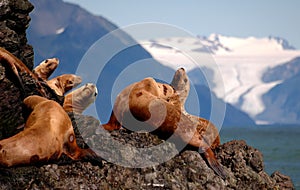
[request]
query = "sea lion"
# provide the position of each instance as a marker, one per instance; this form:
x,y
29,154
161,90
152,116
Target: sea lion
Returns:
x,y
46,68
48,134
176,94
78,100
164,111
64,83
17,66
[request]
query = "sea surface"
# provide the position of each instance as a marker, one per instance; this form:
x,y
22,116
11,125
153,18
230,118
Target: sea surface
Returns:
x,y
280,146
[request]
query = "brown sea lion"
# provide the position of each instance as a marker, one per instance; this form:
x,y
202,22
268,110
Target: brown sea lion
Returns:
x,y
48,134
17,66
46,68
64,83
164,111
78,100
176,94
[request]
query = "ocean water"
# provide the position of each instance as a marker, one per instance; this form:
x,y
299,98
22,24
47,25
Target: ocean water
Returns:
x,y
280,147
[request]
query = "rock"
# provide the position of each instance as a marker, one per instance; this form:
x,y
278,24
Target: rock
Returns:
x,y
131,161
12,111
14,20
186,170
283,181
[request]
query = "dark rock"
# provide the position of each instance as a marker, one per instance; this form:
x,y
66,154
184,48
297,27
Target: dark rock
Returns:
x,y
14,20
186,170
131,161
283,181
12,110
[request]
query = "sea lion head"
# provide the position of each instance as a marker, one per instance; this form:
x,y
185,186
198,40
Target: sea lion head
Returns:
x,y
181,84
78,100
68,81
64,83
46,68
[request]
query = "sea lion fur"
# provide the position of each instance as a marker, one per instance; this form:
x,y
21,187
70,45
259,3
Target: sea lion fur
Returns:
x,y
78,100
48,133
46,68
163,110
64,83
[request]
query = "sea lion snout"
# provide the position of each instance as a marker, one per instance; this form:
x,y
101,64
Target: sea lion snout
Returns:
x,y
78,100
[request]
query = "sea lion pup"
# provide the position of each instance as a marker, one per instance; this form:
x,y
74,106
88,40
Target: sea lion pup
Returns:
x,y
46,68
64,83
145,102
17,66
48,134
78,100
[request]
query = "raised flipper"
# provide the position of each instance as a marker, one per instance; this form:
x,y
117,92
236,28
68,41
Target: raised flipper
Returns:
x,y
214,164
32,101
113,123
18,66
5,56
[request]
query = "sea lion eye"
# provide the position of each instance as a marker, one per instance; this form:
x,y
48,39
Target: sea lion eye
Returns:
x,y
46,61
50,65
71,138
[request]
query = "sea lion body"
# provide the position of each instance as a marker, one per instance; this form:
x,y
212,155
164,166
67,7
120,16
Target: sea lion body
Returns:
x,y
64,83
78,100
48,133
163,109
175,94
46,68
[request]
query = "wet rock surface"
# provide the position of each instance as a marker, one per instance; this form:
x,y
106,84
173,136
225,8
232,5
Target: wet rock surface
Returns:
x,y
186,170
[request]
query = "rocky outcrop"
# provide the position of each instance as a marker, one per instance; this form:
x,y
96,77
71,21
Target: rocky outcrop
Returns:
x,y
186,170
14,20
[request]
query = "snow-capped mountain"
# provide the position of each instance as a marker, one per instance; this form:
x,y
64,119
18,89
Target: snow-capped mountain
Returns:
x,y
240,66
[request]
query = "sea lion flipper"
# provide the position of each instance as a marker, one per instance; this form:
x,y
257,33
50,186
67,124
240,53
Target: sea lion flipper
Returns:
x,y
91,156
214,164
76,153
12,62
113,123
34,100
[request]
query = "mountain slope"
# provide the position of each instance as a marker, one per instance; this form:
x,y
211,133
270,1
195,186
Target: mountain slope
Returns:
x,y
283,101
66,31
283,72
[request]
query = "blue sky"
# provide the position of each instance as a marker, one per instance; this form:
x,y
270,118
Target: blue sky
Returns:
x,y
259,18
